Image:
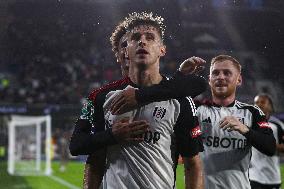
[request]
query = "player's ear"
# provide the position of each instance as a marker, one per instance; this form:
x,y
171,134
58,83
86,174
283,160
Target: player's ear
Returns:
x,y
163,50
117,58
126,54
124,50
240,80
209,80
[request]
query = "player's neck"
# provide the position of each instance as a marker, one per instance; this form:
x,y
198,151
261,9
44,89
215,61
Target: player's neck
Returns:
x,y
267,115
145,76
223,101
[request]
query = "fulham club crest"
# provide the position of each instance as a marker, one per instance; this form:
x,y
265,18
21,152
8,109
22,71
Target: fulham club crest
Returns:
x,y
159,113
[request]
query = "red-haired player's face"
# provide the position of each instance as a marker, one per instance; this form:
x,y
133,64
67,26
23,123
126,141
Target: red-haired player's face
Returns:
x,y
145,46
224,78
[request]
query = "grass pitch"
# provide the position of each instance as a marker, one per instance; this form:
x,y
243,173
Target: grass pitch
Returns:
x,y
71,178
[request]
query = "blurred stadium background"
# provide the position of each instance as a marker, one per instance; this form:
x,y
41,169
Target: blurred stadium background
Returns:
x,y
53,53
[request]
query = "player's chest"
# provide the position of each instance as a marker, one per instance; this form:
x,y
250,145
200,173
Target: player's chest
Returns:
x,y
210,118
216,138
160,115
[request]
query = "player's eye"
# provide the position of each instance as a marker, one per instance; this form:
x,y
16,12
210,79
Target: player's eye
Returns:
x,y
150,36
215,72
227,72
136,37
123,44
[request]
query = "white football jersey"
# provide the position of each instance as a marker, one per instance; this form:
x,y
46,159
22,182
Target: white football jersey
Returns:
x,y
265,169
227,154
150,164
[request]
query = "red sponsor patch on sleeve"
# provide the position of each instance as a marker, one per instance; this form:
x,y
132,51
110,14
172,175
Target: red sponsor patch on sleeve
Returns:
x,y
263,124
196,131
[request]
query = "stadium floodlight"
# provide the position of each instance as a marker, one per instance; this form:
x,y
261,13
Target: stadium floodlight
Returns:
x,y
29,151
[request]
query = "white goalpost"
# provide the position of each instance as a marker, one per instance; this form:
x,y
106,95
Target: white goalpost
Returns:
x,y
29,151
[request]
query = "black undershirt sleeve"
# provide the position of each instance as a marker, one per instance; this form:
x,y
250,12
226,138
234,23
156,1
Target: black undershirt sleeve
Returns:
x,y
84,143
260,135
262,140
89,134
187,131
177,87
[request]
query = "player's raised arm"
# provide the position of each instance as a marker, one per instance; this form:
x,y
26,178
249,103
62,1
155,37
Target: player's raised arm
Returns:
x,y
184,83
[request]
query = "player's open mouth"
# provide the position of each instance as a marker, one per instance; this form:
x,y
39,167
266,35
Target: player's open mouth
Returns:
x,y
221,84
141,51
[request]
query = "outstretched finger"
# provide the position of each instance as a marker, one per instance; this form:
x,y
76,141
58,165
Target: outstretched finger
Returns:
x,y
116,99
227,127
223,123
139,129
124,120
119,97
137,123
116,105
138,134
122,108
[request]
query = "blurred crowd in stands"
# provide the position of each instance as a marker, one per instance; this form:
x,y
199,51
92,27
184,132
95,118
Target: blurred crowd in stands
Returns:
x,y
57,52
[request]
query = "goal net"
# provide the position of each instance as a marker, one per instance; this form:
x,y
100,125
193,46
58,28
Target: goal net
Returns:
x,y
29,151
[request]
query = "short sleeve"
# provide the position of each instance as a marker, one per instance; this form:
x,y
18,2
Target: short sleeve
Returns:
x,y
187,129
